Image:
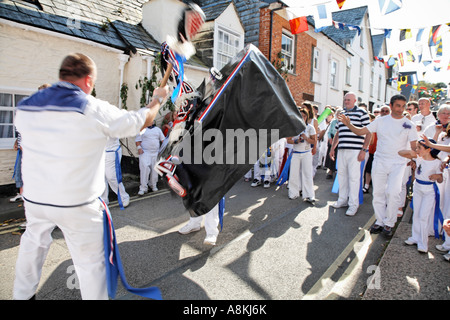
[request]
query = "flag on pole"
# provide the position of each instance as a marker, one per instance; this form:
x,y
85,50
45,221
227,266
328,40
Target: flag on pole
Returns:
x,y
297,23
388,6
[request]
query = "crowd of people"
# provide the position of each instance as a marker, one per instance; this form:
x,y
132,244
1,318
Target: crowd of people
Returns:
x,y
65,132
388,151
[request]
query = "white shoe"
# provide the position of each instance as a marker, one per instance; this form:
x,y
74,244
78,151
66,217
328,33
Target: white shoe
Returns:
x,y
440,247
126,203
409,242
210,239
266,184
447,256
17,198
338,205
154,189
189,227
351,211
256,183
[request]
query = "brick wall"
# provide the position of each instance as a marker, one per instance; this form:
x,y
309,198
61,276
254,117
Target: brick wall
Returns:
x,y
298,81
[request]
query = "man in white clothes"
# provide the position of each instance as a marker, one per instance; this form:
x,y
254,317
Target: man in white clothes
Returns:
x,y
148,143
113,173
64,132
352,151
425,117
394,132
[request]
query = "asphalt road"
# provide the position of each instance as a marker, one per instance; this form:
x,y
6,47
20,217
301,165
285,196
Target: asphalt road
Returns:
x,y
270,248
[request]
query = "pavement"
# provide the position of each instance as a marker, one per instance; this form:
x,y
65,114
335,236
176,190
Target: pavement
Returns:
x,y
401,274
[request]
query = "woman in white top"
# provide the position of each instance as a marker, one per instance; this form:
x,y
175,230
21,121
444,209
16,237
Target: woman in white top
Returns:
x,y
301,170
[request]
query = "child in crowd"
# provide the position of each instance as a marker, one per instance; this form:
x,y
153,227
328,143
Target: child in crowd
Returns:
x,y
428,172
301,171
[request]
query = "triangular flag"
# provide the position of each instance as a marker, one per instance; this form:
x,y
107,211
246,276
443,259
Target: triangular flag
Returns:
x,y
432,40
340,3
388,6
419,35
400,57
353,27
387,33
297,23
439,47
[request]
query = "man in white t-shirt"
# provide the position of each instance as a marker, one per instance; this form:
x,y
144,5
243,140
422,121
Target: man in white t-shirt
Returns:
x,y
394,132
425,117
148,143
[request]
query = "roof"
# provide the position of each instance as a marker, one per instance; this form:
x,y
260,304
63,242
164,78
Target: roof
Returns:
x,y
112,23
351,16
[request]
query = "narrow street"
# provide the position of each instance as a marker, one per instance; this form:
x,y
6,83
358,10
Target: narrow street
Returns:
x,y
270,248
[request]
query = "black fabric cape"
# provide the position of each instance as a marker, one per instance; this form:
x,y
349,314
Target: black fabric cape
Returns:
x,y
251,98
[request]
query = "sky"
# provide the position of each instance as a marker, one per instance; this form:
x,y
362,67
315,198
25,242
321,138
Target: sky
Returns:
x,y
414,14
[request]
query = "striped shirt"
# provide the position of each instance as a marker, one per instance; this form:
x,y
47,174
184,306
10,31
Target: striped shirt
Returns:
x,y
347,139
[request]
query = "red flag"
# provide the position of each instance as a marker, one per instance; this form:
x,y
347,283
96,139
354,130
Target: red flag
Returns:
x,y
298,25
340,3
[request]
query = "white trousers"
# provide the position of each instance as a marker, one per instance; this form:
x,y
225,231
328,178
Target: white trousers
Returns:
x,y
111,177
387,180
258,172
424,203
349,177
444,190
148,174
405,179
211,221
83,232
301,176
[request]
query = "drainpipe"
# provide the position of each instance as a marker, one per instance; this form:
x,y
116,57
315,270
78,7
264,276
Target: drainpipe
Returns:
x,y
123,59
271,30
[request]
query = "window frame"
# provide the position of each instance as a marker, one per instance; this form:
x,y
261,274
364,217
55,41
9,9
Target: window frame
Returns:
x,y
290,54
218,62
8,143
334,76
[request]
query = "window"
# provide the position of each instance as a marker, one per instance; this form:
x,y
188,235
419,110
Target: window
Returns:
x,y
8,102
316,56
361,40
379,87
229,44
372,78
361,75
287,52
348,71
333,73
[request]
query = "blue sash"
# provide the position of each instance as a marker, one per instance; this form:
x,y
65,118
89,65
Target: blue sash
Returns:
x,y
18,156
284,175
113,263
438,217
221,212
118,176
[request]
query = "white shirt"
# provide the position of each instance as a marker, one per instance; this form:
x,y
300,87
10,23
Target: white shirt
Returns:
x,y
424,121
303,145
425,168
64,152
150,139
393,135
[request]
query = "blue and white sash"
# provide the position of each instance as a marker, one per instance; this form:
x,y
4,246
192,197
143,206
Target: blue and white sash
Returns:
x,y
113,263
118,176
438,217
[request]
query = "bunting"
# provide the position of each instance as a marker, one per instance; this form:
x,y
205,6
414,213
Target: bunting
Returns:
x,y
389,6
405,34
297,23
340,3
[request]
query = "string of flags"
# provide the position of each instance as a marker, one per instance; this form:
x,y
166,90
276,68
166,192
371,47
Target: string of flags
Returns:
x,y
415,54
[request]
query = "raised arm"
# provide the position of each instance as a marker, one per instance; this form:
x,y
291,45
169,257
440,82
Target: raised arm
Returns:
x,y
358,131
